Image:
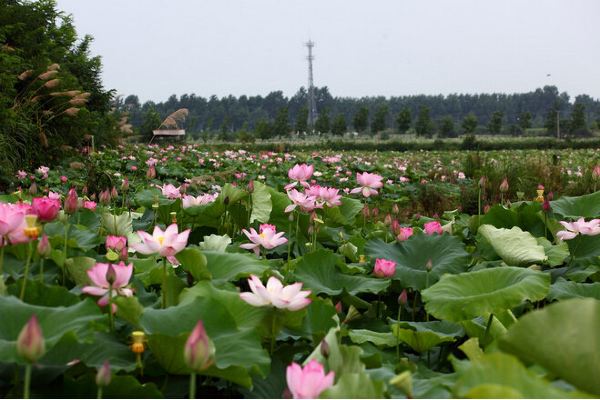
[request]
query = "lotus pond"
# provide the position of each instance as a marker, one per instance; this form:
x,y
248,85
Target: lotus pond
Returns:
x,y
179,272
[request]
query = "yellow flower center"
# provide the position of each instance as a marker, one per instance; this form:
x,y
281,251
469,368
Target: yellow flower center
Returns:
x,y
262,235
161,239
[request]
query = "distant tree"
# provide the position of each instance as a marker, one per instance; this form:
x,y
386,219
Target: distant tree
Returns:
x,y
322,123
338,127
495,124
150,122
403,120
525,120
281,126
578,124
552,120
424,125
469,123
263,129
361,120
446,127
302,120
378,123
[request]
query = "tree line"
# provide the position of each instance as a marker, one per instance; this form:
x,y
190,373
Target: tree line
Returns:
x,y
446,116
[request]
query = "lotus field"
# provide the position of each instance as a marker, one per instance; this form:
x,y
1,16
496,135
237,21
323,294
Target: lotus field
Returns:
x,y
176,271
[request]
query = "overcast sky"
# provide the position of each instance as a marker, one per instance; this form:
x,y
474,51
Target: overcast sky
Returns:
x,y
155,48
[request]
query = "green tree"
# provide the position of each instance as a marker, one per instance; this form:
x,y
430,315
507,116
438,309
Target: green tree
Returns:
x,y
469,123
263,129
403,120
361,120
495,124
378,124
525,120
302,120
322,124
338,127
424,125
150,122
552,122
446,127
578,124
281,126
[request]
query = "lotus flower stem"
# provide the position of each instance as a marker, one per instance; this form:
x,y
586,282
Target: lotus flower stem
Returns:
x,y
42,269
26,272
273,335
414,306
193,385
27,381
479,207
99,395
64,267
164,284
487,328
1,261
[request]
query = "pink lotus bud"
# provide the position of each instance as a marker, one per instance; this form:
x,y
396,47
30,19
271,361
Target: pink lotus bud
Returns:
x,y
428,265
404,234
365,211
199,350
596,172
550,196
30,343
375,212
63,179
387,220
486,208
125,185
111,274
338,307
251,186
540,187
546,206
432,227
482,181
384,268
113,193
151,173
104,376
504,186
403,298
71,202
116,243
395,209
44,248
396,227
104,197
33,189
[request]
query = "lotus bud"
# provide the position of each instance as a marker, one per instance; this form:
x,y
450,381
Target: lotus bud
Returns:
x,y
52,84
151,173
71,202
25,74
104,376
199,350
324,348
482,181
486,208
550,196
403,298
47,75
504,186
546,206
71,112
54,67
125,185
429,265
104,197
395,209
250,186
387,220
114,193
30,343
375,212
44,248
111,274
33,189
365,211
338,307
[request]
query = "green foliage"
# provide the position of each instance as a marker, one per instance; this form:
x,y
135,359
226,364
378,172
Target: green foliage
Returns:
x,y
379,120
469,124
446,127
403,120
424,125
495,124
302,120
361,119
322,123
338,127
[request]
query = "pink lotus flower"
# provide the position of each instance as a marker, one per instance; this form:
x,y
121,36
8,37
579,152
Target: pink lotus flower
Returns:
x,y
369,183
21,174
101,273
166,244
325,195
43,171
45,208
191,201
289,297
308,382
303,201
170,191
300,173
12,223
90,205
267,237
71,202
63,179
404,234
384,268
432,227
590,228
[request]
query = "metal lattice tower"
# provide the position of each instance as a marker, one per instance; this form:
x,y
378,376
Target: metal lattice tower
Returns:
x,y
312,104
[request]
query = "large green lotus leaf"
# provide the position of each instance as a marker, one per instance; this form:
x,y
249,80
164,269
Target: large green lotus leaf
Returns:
x,y
79,236
360,336
345,213
231,194
513,245
40,294
354,386
497,374
585,247
587,206
261,203
557,253
278,217
422,336
121,387
563,338
319,319
150,196
465,296
446,253
194,261
229,322
81,319
563,289
225,267
500,217
117,225
318,272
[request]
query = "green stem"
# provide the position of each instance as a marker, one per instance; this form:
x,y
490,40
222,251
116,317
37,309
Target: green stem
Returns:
x,y
42,269
273,334
64,267
426,287
193,385
27,382
414,306
26,273
398,336
2,258
479,207
164,284
99,396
